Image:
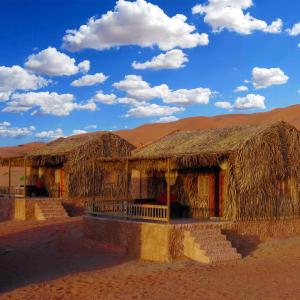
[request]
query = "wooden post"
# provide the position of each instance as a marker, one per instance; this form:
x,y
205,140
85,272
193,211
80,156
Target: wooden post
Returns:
x,y
94,182
140,181
168,192
9,179
25,178
127,178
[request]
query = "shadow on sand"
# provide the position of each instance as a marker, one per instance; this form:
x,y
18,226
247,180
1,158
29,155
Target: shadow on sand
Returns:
x,y
50,251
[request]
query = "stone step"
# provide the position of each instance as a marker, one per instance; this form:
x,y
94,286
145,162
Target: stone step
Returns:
x,y
51,210
208,246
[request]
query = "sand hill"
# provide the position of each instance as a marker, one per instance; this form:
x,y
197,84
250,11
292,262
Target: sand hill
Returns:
x,y
149,132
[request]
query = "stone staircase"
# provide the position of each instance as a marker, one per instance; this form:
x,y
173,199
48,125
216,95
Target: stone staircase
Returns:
x,y
208,246
48,210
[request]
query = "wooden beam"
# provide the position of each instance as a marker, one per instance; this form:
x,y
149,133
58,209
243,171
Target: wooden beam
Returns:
x,y
168,191
140,181
9,178
25,178
94,181
127,179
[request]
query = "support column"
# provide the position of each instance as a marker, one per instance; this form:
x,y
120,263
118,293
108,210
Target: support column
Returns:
x,y
94,181
127,178
9,178
25,178
168,192
140,181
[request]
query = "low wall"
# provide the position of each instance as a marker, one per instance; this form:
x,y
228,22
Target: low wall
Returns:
x,y
6,209
164,242
147,241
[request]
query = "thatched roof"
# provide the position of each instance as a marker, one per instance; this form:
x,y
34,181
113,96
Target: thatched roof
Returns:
x,y
220,140
200,148
76,149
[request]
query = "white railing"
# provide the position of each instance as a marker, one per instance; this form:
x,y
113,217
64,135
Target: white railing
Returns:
x,y
127,209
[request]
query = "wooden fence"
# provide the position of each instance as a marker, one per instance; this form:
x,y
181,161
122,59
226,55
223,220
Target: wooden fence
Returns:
x,y
127,209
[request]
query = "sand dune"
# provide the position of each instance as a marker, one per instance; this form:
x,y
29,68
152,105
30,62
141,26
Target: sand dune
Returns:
x,y
149,132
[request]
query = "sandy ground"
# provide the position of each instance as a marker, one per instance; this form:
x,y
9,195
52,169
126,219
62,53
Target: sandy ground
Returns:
x,y
53,260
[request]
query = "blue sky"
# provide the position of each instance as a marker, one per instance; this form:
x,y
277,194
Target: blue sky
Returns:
x,y
187,65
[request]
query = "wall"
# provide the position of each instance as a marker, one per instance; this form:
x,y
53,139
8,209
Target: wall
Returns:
x,y
147,241
6,209
164,242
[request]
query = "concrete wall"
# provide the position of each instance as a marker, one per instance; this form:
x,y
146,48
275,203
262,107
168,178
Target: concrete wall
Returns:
x,y
164,242
6,209
147,241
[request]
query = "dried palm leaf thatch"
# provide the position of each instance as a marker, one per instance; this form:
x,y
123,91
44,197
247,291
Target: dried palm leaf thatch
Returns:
x,y
263,174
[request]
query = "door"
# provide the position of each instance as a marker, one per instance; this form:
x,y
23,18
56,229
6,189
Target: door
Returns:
x,y
206,195
221,192
62,183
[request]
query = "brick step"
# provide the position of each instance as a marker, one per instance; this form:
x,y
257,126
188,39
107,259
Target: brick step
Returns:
x,y
213,244
217,259
208,246
220,251
204,237
51,210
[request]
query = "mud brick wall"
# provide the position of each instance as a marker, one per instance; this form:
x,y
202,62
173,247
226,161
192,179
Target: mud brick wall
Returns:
x,y
6,209
146,241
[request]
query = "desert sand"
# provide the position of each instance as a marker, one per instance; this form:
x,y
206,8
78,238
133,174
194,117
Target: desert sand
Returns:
x,y
53,260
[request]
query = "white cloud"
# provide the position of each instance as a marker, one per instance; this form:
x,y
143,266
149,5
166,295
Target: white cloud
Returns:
x,y
251,101
7,131
166,119
104,98
93,126
224,104
229,14
191,96
78,131
295,30
152,110
16,78
46,103
54,63
50,135
136,88
263,77
89,80
84,66
241,88
173,59
135,23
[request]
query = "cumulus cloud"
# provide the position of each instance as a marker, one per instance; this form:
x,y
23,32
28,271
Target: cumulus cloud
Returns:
x,y
152,110
136,88
16,78
191,96
78,131
45,103
135,23
295,30
89,80
173,59
166,119
50,134
224,104
6,130
104,98
251,101
231,15
241,88
54,63
92,126
263,77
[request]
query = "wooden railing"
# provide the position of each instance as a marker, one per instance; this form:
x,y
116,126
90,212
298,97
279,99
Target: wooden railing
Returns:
x,y
127,209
